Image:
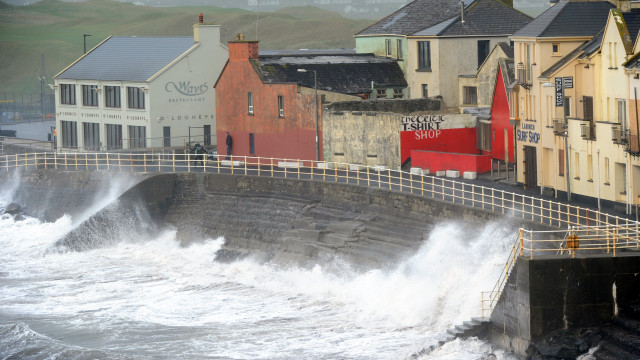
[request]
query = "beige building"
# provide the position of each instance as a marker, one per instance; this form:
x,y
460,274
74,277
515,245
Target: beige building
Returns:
x,y
436,41
574,93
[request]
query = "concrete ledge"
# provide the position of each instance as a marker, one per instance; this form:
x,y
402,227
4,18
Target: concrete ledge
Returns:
x,y
416,171
440,173
324,165
233,163
453,173
379,168
470,175
289,164
356,167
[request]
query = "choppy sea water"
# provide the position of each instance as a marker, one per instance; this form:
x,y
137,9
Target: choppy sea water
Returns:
x,y
150,298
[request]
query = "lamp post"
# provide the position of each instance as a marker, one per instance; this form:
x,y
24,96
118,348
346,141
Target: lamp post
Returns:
x,y
315,89
84,39
560,99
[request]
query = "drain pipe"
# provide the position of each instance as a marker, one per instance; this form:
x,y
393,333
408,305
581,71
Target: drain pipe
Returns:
x,y
598,180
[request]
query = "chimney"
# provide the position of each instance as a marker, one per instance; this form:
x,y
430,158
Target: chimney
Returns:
x,y
200,19
242,49
624,5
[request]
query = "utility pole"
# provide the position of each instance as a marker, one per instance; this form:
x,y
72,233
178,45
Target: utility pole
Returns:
x,y
42,78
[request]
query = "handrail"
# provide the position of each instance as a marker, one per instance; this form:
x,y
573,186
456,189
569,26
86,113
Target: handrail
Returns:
x,y
546,212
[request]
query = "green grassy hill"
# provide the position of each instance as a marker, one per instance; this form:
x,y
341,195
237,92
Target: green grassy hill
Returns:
x,y
56,29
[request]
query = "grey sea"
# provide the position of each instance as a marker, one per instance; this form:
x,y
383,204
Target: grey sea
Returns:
x,y
150,298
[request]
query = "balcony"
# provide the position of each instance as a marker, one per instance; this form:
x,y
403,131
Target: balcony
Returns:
x,y
559,127
618,135
524,75
588,130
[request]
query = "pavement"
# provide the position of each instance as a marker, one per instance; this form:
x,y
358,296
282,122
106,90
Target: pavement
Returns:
x,y
500,182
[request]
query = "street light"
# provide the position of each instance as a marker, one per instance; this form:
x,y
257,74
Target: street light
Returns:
x,y
315,89
84,38
559,86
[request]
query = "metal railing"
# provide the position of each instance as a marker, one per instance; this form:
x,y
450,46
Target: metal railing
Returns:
x,y
529,208
605,239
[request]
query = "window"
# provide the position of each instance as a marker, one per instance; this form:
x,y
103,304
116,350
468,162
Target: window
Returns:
x,y
250,98
112,96
67,94
69,134
587,103
252,144
424,55
135,97
280,106
560,162
567,106
137,137
622,111
381,93
555,48
91,136
400,52
89,95
114,136
166,134
470,95
425,90
398,93
388,47
483,51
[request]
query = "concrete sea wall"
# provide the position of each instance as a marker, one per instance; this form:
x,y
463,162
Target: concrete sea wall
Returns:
x,y
284,220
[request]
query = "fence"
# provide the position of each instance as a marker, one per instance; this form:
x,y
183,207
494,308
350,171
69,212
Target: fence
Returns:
x,y
604,239
589,230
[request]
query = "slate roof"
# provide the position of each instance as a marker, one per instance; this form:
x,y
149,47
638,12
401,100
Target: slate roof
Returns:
x,y
568,18
128,58
415,16
507,49
346,74
483,17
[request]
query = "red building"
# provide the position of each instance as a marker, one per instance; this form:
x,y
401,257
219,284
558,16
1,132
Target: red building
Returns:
x,y
268,102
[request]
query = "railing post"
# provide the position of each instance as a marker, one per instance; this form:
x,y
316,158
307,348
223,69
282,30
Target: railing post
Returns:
x,y
97,162
531,245
144,165
521,243
422,185
108,164
86,161
45,160
173,162
433,187
492,200
76,161
159,162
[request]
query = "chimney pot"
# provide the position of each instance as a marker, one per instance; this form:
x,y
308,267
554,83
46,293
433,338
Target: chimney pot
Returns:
x,y
240,37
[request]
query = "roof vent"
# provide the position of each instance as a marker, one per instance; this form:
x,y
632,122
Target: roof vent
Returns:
x,y
200,18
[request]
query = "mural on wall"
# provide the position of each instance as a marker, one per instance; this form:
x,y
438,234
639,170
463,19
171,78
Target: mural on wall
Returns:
x,y
454,133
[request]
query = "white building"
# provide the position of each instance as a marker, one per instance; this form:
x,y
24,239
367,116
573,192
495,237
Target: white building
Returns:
x,y
141,92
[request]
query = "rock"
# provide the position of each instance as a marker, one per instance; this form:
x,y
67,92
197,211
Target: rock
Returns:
x,y
13,209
